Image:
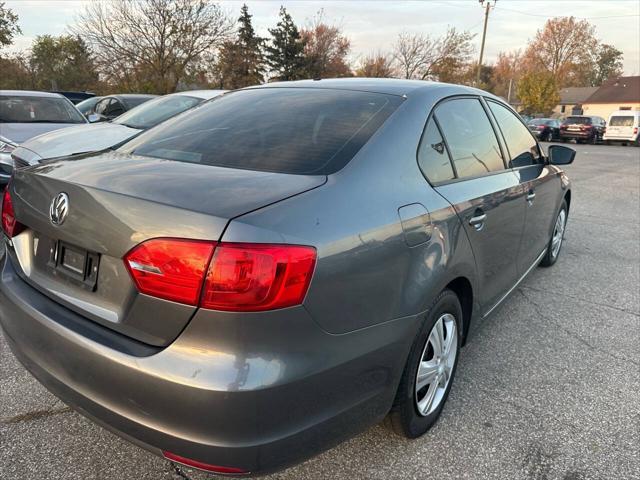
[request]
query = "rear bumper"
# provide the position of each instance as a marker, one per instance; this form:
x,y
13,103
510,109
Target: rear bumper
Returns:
x,y
256,393
615,138
567,134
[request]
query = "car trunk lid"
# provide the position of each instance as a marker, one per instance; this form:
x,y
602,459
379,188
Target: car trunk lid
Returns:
x,y
115,202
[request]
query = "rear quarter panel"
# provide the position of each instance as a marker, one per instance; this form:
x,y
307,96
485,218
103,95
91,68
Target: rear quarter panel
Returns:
x,y
366,274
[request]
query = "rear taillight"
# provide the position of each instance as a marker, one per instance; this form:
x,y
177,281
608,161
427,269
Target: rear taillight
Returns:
x,y
10,225
225,276
635,130
563,127
541,127
252,277
201,465
169,268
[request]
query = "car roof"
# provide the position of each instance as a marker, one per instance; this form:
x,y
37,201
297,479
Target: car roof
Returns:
x,y
30,93
391,86
204,94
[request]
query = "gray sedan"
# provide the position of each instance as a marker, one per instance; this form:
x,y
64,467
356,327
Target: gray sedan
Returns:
x,y
271,273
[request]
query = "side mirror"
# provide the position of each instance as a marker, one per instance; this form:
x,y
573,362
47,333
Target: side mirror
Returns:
x,y
561,155
94,118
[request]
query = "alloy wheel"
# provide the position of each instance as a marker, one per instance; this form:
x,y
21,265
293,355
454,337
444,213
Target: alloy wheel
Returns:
x,y
558,233
436,364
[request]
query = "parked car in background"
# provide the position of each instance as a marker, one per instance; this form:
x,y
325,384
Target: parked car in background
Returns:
x,y
85,107
25,114
95,137
77,97
260,278
545,129
623,127
113,106
582,129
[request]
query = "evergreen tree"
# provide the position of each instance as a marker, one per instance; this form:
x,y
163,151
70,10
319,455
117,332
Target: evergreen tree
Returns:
x,y
62,63
285,54
241,61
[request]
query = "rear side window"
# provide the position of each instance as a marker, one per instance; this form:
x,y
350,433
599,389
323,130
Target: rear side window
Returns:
x,y
471,139
286,130
621,122
522,147
433,157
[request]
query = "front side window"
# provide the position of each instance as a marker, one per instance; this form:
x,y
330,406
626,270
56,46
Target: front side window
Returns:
x,y
114,109
471,139
287,130
520,143
33,109
433,157
102,106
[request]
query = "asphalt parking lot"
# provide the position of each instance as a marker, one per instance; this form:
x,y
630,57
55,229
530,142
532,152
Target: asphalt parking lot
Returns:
x,y
547,388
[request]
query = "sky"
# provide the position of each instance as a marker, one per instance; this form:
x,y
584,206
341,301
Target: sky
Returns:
x,y
373,26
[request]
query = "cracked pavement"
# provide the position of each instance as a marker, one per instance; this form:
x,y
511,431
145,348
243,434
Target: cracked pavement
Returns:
x,y
547,387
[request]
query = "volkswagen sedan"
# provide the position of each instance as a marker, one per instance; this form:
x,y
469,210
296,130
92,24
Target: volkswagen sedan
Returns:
x,y
271,273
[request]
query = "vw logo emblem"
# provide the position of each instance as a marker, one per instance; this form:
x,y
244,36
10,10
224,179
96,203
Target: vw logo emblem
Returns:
x,y
59,209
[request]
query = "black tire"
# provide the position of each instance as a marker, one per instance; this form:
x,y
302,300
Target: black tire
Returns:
x,y
550,258
547,137
404,418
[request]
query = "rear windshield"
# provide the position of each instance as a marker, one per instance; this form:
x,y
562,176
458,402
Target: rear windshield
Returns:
x,y
626,121
578,120
32,109
539,121
285,130
151,113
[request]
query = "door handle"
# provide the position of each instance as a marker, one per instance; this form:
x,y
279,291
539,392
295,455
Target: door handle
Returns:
x,y
477,221
531,195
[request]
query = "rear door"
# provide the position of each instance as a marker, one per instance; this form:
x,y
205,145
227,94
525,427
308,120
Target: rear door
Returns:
x,y
487,196
540,184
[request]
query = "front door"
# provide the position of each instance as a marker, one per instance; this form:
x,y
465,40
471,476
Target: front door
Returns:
x,y
540,184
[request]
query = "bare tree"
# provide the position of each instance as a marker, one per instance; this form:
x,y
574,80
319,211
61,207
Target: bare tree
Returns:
x,y
425,57
152,45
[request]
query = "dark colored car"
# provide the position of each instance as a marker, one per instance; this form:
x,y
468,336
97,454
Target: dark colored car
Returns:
x,y
112,106
77,97
85,107
583,129
272,272
545,129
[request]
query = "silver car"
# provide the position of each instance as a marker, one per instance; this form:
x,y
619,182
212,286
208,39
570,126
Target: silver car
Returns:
x,y
25,114
99,136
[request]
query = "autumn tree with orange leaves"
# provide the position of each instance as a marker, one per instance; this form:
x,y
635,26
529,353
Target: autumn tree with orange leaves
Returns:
x,y
564,48
375,66
325,49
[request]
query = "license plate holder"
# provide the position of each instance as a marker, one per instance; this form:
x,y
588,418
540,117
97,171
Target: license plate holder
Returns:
x,y
77,264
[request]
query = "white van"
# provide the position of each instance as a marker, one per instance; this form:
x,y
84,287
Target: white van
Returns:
x,y
623,126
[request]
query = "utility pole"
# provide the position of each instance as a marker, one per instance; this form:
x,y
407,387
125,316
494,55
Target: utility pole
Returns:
x,y
484,34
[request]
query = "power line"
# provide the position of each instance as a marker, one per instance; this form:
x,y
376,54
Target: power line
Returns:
x,y
502,9
554,16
